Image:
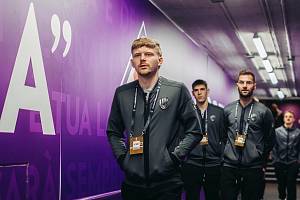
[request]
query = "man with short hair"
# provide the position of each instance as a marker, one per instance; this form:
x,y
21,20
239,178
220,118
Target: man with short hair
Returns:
x,y
286,156
154,113
249,125
202,169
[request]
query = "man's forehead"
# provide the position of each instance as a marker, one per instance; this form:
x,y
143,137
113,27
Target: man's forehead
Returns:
x,y
289,114
245,77
200,86
143,49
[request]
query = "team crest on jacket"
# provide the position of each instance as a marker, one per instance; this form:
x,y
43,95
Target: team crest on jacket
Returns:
x,y
253,117
163,103
212,118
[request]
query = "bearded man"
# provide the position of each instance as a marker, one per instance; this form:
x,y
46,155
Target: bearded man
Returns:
x,y
250,137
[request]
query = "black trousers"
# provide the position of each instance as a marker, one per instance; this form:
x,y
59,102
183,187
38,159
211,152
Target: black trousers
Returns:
x,y
193,178
286,176
263,187
166,190
247,181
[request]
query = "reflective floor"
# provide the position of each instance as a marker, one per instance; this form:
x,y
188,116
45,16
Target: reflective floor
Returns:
x,y
270,193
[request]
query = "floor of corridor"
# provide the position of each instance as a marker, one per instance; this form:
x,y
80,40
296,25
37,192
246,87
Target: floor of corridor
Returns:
x,y
272,194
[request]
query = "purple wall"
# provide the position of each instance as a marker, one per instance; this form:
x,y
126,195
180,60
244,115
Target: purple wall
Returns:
x,y
64,141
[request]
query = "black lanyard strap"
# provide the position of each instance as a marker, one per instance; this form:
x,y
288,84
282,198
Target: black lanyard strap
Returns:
x,y
152,107
245,132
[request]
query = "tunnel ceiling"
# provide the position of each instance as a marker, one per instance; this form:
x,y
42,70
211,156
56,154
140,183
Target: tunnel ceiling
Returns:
x,y
225,28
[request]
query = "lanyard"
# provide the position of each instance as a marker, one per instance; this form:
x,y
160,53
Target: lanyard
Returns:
x,y
206,121
151,109
245,132
204,147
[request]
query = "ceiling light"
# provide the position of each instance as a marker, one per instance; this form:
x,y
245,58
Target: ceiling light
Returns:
x,y
280,94
259,46
267,65
273,78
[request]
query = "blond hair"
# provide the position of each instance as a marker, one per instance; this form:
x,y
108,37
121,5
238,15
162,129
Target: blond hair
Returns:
x,y
147,42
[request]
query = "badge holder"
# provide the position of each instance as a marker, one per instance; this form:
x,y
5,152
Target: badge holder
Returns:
x,y
204,140
240,140
136,145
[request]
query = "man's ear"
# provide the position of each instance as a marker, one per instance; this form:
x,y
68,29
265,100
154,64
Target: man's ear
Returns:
x,y
160,60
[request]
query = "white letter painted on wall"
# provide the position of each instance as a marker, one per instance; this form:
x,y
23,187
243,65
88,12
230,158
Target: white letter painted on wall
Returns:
x,y
19,96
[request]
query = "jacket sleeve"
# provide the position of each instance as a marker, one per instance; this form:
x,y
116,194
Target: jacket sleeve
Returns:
x,y
191,123
115,129
269,134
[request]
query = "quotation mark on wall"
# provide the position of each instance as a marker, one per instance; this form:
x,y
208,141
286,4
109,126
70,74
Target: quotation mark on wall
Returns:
x,y
66,32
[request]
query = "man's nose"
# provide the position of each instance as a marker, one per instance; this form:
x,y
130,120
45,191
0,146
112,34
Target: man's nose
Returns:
x,y
245,86
143,57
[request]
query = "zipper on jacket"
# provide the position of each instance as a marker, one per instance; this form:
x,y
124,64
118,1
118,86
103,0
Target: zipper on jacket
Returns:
x,y
146,140
241,127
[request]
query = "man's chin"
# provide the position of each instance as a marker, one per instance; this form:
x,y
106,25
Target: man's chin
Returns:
x,y
245,95
201,101
144,73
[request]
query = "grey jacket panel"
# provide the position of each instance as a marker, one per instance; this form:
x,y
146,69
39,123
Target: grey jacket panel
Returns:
x,y
287,145
167,124
216,134
260,138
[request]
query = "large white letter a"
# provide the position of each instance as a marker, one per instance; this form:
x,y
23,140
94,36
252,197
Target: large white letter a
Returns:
x,y
20,96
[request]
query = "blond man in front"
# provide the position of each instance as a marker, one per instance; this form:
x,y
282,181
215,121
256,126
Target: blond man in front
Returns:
x,y
148,117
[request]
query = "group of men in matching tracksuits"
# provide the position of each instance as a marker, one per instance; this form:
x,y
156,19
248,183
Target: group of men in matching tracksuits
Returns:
x,y
164,142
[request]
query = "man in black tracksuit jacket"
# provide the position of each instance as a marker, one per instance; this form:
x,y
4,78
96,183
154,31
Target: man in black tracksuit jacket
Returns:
x,y
147,118
249,125
202,169
286,156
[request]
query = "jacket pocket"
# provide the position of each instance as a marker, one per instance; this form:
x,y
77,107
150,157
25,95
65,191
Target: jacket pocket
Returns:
x,y
133,166
229,152
251,153
170,163
162,164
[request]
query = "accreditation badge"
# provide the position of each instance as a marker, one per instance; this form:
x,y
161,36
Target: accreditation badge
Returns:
x,y
136,145
240,140
204,140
